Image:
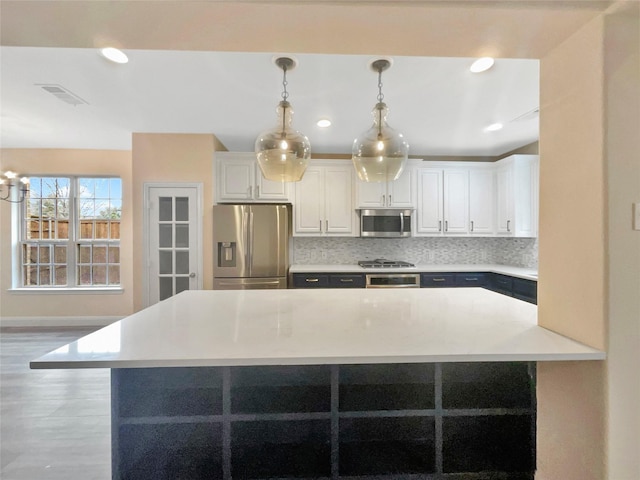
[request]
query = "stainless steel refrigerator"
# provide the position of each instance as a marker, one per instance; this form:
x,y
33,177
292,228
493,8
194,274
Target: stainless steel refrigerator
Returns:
x,y
251,246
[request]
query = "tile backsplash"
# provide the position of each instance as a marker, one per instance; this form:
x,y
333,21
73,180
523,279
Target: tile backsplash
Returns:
x,y
517,252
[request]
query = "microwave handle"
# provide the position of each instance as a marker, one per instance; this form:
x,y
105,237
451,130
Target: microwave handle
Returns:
x,y
401,222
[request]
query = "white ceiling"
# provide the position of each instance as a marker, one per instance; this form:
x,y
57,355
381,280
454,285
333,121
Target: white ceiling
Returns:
x,y
437,103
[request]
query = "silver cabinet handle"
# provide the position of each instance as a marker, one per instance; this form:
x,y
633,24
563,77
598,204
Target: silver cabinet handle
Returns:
x,y
439,225
508,222
471,279
311,280
257,191
326,225
472,225
390,202
438,279
401,220
446,225
250,191
346,280
384,199
320,226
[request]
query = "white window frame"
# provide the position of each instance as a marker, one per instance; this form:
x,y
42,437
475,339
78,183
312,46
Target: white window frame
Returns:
x,y
72,244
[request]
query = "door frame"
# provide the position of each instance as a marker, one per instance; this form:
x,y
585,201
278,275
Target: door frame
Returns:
x,y
146,221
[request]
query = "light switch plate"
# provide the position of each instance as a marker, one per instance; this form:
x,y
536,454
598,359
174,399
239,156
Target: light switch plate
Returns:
x,y
636,216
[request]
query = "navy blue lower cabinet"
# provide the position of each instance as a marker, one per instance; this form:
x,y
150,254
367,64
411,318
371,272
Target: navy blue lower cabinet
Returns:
x,y
328,280
343,280
501,283
310,280
461,421
431,280
470,279
526,290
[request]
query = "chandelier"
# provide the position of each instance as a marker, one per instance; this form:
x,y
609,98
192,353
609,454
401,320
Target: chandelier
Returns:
x,y
9,183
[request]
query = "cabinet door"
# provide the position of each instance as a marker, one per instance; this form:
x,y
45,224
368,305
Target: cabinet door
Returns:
x,y
371,194
504,200
269,190
235,179
429,209
338,200
309,204
456,202
401,192
481,205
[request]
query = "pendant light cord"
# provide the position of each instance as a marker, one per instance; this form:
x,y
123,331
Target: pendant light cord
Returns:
x,y
380,99
285,95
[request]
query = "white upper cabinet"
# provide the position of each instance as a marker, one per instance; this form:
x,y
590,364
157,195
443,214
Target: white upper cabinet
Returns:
x,y
323,204
517,196
239,179
397,194
482,187
443,201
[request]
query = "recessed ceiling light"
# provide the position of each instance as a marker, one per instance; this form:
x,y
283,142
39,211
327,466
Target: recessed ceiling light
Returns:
x,y
115,55
324,123
481,64
493,127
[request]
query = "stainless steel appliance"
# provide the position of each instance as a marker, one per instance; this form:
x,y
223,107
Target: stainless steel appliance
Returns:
x,y
384,263
251,246
392,280
385,222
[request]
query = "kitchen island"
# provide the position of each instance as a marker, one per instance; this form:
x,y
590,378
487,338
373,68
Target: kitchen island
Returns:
x,y
397,383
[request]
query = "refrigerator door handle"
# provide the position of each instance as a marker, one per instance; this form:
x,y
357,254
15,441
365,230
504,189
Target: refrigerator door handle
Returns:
x,y
250,242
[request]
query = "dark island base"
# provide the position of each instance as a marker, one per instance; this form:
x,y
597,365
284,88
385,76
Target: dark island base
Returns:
x,y
454,421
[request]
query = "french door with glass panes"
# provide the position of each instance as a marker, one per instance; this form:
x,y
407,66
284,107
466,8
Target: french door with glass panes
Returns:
x,y
173,247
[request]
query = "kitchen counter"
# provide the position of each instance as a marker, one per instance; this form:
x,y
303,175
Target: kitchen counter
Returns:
x,y
526,273
303,327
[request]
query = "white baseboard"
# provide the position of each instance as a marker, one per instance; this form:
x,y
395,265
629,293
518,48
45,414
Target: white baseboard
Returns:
x,y
57,321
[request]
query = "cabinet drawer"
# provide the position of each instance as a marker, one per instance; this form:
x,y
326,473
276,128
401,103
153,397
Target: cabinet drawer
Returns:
x,y
526,290
437,280
472,279
346,281
310,280
502,284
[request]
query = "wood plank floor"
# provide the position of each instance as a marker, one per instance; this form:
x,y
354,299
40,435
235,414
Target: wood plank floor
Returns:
x,y
54,424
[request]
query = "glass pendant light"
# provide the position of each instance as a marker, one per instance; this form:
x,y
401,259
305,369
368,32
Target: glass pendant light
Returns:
x,y
380,153
283,152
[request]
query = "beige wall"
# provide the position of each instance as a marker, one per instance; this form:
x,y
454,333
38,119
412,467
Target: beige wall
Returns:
x,y
172,158
71,162
622,152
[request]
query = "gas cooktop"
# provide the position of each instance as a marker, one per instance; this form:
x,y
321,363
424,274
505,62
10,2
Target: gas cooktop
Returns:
x,y
384,263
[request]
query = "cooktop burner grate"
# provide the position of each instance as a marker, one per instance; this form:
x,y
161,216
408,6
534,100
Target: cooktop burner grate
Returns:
x,y
384,263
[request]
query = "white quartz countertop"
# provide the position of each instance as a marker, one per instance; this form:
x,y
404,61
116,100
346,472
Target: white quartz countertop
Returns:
x,y
526,273
322,326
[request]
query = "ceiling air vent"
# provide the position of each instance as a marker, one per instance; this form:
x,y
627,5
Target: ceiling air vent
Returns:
x,y
63,94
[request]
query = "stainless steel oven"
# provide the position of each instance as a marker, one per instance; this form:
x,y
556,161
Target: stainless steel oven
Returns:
x,y
393,280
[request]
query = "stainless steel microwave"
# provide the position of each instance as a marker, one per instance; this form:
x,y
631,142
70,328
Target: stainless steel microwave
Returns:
x,y
385,222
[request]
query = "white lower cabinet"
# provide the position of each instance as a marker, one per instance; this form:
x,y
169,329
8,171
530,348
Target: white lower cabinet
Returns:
x,y
239,179
517,196
323,203
443,201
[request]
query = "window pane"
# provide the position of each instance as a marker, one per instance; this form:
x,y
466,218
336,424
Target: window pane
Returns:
x,y
46,229
45,254
48,208
114,229
101,187
45,275
114,254
87,209
63,229
165,239
84,275
30,253
166,262
33,208
85,254
60,254
99,275
182,209
61,275
99,254
166,287
182,236
30,275
182,284
182,262
165,212
35,187
33,230
102,229
62,209
114,275
115,209
86,188
86,229
49,188
62,187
